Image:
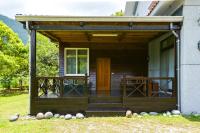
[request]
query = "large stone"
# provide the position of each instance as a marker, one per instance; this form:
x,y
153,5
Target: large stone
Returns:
x,y
48,115
144,113
13,118
80,116
153,113
176,112
168,113
17,114
135,114
56,115
40,116
68,116
128,113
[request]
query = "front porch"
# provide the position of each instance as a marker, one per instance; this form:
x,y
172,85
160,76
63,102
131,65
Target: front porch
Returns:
x,y
104,65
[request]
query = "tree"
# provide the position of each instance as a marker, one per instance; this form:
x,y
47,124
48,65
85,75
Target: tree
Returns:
x,y
118,13
46,57
13,56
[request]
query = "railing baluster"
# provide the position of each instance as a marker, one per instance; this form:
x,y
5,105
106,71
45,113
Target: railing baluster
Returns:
x,y
61,86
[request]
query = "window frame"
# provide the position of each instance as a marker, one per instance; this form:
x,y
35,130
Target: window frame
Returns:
x,y
65,63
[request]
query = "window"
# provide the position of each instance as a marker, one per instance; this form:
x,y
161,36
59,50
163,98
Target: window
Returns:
x,y
76,61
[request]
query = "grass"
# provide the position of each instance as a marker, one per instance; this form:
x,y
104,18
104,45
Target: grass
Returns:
x,y
12,103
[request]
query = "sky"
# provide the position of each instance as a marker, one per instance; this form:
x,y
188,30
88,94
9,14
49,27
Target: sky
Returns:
x,y
61,7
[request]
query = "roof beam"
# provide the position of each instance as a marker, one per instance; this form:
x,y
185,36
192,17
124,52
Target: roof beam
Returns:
x,y
104,28
51,36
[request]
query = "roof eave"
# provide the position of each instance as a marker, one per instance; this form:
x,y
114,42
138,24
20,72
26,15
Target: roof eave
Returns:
x,y
24,18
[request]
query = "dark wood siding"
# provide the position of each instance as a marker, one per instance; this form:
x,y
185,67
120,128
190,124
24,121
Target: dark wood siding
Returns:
x,y
148,104
60,105
123,62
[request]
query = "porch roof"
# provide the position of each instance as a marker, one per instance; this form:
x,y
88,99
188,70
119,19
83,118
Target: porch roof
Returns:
x,y
101,29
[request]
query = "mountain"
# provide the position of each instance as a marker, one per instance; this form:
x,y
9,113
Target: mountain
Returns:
x,y
16,27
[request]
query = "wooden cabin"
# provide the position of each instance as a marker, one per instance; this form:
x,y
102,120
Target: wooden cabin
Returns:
x,y
103,64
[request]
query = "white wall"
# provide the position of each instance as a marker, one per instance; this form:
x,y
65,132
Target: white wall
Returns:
x,y
190,58
142,8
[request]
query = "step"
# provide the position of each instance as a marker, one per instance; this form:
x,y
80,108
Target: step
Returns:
x,y
105,112
105,99
105,105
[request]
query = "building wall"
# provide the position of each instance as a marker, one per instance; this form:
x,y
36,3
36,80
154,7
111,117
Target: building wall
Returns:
x,y
190,57
142,8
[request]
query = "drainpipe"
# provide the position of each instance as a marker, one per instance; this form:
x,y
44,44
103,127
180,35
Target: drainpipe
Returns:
x,y
178,65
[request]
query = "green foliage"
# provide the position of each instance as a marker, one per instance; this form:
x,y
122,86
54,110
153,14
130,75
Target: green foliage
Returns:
x,y
47,57
17,27
118,13
13,56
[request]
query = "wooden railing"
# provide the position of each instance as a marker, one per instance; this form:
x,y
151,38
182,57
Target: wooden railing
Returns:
x,y
52,87
148,86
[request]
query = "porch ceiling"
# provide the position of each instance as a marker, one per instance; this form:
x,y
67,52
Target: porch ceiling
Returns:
x,y
74,29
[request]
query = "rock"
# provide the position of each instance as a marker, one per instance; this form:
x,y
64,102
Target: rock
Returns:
x,y
62,116
56,115
48,115
153,113
73,117
79,116
13,118
40,116
17,114
128,113
68,116
176,112
168,113
164,114
143,113
135,114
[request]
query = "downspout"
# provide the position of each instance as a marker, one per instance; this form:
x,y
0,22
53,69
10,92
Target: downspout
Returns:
x,y
178,65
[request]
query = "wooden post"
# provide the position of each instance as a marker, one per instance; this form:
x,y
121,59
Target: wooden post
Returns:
x,y
32,89
86,85
173,87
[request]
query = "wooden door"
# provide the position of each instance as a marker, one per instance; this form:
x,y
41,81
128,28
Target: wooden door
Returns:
x,y
103,76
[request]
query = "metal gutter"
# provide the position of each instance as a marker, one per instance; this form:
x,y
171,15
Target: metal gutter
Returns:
x,y
24,18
